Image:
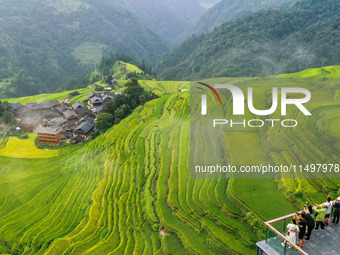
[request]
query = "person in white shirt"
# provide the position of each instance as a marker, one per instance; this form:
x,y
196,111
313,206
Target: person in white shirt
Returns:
x,y
292,229
328,204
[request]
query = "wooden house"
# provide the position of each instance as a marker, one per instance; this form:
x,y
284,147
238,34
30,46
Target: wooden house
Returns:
x,y
49,135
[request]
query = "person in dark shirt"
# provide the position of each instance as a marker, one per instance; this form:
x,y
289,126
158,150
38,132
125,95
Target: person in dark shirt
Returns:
x,y
310,223
310,209
336,205
302,227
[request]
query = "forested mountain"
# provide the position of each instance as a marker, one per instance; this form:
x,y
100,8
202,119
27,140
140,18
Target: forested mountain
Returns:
x,y
265,43
226,10
171,19
44,43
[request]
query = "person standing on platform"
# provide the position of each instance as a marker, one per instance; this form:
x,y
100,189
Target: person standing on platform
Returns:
x,y
336,206
321,212
302,227
292,229
328,204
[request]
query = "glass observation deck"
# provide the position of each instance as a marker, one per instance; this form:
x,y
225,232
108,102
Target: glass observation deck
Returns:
x,y
321,242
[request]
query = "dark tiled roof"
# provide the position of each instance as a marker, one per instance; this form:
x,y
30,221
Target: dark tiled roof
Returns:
x,y
61,108
106,97
45,105
84,119
75,93
92,95
31,104
96,100
38,107
77,105
16,106
70,114
48,130
51,114
22,110
84,128
31,114
57,122
82,111
30,121
54,103
98,109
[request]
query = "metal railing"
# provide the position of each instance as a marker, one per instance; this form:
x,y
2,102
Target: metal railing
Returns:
x,y
284,218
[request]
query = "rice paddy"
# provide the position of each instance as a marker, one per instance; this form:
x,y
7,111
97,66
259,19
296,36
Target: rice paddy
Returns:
x,y
130,192
24,148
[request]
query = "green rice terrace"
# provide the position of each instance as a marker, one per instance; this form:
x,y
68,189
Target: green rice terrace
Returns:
x,y
129,191
324,72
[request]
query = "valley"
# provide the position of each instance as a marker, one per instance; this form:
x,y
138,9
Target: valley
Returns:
x,y
130,190
168,127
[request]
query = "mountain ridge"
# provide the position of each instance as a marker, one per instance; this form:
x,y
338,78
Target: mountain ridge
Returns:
x,y
268,42
39,40
227,10
171,19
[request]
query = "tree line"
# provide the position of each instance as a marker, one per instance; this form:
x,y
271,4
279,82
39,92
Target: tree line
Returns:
x,y
265,43
6,115
106,72
122,105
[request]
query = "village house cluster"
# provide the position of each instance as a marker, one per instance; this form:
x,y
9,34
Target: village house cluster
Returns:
x,y
54,121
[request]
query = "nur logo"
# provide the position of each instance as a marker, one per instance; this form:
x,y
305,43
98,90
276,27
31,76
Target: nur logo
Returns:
x,y
238,100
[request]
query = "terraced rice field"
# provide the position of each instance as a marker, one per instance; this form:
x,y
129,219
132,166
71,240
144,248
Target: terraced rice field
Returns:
x,y
24,148
323,72
49,97
129,191
165,87
121,69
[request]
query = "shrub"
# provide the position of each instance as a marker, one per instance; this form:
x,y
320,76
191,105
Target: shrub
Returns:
x,y
22,135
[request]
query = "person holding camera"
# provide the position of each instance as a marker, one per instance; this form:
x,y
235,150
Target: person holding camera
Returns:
x,y
328,207
308,209
321,212
302,227
310,223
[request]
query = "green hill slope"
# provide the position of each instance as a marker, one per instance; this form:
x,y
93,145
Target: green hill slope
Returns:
x,y
227,10
108,69
44,44
117,194
327,72
265,43
129,190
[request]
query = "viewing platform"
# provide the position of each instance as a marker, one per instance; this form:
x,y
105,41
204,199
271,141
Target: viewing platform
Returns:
x,y
321,242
